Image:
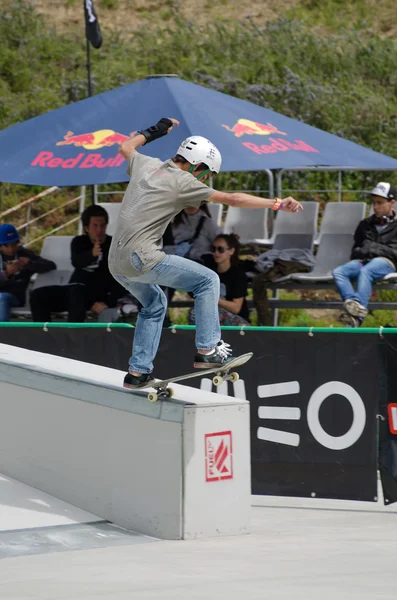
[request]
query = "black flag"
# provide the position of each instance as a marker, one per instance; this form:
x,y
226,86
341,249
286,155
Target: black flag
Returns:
x,y
92,29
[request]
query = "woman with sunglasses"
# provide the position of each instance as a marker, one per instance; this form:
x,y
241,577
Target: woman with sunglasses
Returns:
x,y
232,304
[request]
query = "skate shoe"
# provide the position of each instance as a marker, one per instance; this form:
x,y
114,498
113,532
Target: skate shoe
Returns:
x,y
355,309
349,321
219,357
136,381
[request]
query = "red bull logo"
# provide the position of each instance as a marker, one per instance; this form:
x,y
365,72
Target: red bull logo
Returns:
x,y
247,127
94,140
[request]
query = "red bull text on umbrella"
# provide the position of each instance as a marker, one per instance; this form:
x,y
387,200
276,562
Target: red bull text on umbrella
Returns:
x,y
103,138
247,127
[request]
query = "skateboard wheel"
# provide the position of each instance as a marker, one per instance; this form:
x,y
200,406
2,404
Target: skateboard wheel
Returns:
x,y
170,393
217,380
234,376
152,397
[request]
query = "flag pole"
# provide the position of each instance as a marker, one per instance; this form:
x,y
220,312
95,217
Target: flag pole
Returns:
x,y
93,35
89,85
89,89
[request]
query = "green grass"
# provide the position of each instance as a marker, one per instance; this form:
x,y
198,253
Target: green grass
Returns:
x,y
338,15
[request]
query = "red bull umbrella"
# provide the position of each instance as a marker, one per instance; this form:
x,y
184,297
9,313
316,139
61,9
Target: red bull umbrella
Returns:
x,y
78,144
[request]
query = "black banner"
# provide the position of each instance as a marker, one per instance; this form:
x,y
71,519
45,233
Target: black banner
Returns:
x,y
313,404
92,28
388,424
314,399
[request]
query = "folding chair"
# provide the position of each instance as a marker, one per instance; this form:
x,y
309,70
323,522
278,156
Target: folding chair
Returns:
x,y
215,212
335,240
250,224
295,230
113,210
57,248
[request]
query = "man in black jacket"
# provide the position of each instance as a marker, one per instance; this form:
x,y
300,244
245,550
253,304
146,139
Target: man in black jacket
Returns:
x,y
17,265
91,286
374,255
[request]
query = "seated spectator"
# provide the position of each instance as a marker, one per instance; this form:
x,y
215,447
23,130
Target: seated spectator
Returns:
x,y
374,255
91,286
17,265
193,231
233,308
190,235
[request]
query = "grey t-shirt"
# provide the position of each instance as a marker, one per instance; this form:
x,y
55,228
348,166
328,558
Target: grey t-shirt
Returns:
x,y
156,193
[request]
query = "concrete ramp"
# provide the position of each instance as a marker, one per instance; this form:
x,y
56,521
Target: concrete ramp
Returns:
x,y
33,522
177,469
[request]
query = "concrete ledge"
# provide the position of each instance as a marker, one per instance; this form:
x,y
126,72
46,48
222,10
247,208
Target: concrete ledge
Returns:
x,y
174,469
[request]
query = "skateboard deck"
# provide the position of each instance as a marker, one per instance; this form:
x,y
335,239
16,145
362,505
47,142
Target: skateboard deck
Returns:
x,y
221,374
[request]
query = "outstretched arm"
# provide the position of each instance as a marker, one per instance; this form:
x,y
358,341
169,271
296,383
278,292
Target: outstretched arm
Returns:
x,y
163,127
248,201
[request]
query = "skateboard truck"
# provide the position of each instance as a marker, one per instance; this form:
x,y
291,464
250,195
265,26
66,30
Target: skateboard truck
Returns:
x,y
221,374
165,393
218,379
162,394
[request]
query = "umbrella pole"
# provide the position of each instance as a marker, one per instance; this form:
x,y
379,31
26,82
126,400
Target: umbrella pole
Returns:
x,y
89,88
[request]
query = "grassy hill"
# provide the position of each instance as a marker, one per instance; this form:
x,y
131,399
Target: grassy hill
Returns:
x,y
325,16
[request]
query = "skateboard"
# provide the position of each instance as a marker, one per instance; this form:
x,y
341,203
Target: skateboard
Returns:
x,y
163,392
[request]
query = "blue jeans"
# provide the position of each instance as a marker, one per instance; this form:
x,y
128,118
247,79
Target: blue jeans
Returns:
x,y
7,301
182,274
364,275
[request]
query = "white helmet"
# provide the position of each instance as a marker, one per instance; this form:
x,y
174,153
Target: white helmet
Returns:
x,y
197,149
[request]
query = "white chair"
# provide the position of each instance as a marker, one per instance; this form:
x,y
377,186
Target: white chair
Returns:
x,y
57,248
250,224
216,212
57,277
113,209
295,230
341,218
335,240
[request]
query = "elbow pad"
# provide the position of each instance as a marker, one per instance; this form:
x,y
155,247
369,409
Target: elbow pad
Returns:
x,y
156,131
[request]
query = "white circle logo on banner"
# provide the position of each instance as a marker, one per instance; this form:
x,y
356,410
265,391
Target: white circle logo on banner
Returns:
x,y
359,415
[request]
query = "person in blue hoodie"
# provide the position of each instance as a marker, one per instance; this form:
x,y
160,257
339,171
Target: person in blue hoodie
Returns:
x,y
17,265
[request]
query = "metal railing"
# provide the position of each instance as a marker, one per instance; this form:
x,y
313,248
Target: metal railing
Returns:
x,y
29,221
338,190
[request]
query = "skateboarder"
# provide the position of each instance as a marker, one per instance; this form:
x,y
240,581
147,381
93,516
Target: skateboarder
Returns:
x,y
156,193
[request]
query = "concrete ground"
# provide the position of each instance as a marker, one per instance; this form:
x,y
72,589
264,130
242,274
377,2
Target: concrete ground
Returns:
x,y
299,549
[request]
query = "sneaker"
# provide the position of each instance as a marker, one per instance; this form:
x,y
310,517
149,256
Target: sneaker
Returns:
x,y
219,357
349,321
136,381
355,309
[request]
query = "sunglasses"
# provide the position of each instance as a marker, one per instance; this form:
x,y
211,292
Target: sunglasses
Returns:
x,y
220,249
